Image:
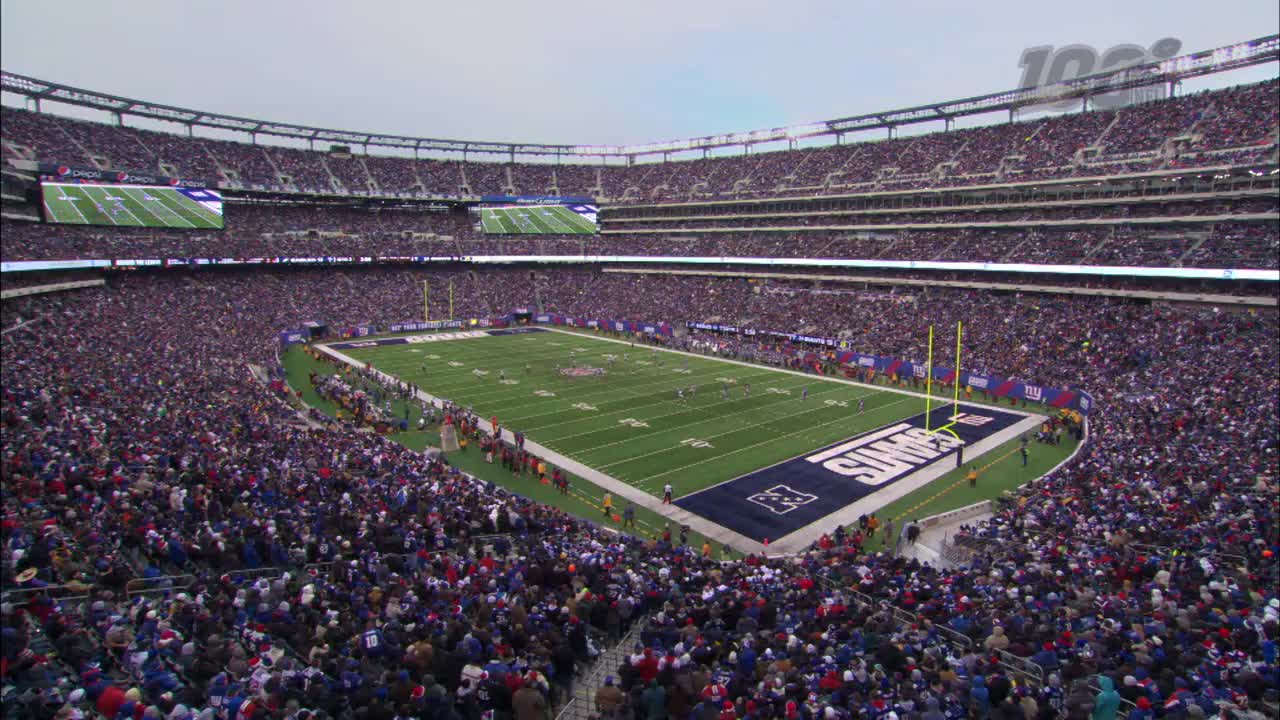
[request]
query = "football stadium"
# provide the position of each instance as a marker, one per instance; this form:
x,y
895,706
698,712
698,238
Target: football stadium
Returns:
x,y
960,405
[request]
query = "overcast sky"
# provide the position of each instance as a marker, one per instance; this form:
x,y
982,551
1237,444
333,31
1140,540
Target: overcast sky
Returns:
x,y
575,71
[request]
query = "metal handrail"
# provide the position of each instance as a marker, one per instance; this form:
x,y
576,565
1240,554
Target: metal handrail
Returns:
x,y
1127,706
1231,558
267,572
148,585
956,637
21,594
1021,665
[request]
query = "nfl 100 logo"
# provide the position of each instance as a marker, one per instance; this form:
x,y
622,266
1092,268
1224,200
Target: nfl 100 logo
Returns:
x,y
1043,65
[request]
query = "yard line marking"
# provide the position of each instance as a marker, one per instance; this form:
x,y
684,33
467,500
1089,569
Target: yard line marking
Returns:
x,y
656,433
66,202
197,209
734,431
629,408
169,211
496,394
659,431
141,222
98,202
186,209
49,211
76,207
649,480
819,378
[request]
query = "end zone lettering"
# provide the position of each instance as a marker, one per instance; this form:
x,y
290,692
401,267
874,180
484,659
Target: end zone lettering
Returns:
x,y
778,500
415,339
885,455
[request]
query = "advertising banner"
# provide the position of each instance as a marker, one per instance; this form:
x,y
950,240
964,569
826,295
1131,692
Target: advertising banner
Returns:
x,y
415,325
71,174
625,326
537,199
996,387
292,337
358,331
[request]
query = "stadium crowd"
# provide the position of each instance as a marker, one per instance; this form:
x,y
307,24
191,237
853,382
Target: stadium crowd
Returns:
x,y
1205,129
318,232
181,540
326,572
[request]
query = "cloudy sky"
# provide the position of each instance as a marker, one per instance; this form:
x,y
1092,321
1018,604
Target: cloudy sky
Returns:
x,y
575,71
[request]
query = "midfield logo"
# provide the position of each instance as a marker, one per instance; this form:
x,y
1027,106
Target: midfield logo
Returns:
x,y
781,499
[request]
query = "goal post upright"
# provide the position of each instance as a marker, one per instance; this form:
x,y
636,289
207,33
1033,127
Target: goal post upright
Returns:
x,y
928,384
955,402
955,405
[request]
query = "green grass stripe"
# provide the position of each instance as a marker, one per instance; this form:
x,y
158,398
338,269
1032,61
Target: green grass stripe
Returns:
x,y
579,223
1001,471
583,500
63,211
170,217
657,392
726,427
136,202
135,211
99,195
745,433
189,209
535,220
554,216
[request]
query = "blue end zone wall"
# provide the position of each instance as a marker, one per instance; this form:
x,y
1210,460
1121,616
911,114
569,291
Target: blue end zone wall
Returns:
x,y
414,339
780,499
517,331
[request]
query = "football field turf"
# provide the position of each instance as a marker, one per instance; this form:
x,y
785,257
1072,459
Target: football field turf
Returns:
x,y
535,219
133,205
629,422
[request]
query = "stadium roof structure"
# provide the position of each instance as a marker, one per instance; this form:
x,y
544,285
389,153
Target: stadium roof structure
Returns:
x,y
1253,52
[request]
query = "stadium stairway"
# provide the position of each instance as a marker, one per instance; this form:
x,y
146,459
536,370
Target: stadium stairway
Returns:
x,y
922,552
1190,251
582,704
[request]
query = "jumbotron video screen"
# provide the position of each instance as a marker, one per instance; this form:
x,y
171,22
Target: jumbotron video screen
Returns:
x,y
133,205
539,220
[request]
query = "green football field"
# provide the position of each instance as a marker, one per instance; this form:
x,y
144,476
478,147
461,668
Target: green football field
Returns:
x,y
535,219
133,205
629,423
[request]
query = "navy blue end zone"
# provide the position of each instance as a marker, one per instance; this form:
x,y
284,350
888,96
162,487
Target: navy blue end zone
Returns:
x,y
778,500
